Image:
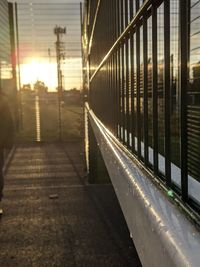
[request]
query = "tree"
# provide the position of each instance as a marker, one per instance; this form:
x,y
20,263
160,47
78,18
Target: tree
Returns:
x,y
26,87
40,87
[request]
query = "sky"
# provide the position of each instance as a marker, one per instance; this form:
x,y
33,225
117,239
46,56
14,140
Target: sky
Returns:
x,y
36,22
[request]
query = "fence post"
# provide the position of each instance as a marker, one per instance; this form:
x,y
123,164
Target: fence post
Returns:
x,y
98,173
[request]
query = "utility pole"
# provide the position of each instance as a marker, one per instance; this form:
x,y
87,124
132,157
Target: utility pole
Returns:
x,y
60,55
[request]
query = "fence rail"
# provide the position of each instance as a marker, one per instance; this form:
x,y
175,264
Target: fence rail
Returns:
x,y
140,83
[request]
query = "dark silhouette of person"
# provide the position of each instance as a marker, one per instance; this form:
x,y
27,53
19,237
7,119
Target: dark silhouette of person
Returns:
x,y
6,137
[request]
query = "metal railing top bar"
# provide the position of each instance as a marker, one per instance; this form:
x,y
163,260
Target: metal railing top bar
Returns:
x,y
129,28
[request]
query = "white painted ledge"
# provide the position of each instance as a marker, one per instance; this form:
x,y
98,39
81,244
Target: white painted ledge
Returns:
x,y
162,234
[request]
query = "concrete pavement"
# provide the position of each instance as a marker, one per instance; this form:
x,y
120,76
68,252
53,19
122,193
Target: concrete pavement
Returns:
x,y
52,218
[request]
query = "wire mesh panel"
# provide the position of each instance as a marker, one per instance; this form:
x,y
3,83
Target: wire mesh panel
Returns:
x,y
36,23
7,59
49,56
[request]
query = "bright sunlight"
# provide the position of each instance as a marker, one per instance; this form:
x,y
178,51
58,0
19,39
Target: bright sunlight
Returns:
x,y
39,70
46,71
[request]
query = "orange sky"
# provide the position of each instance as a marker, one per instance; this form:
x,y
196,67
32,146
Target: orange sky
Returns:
x,y
46,71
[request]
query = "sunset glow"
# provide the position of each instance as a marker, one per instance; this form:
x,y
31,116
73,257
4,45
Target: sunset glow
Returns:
x,y
46,72
37,70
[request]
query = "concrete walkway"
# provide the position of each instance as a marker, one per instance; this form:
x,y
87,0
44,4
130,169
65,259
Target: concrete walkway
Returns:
x,y
51,218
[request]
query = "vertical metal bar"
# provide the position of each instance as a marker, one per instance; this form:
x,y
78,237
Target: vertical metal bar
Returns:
x,y
118,93
115,68
123,92
131,9
126,12
132,81
167,86
127,77
154,89
115,88
132,94
93,161
81,17
12,42
88,3
138,85
127,92
111,93
145,90
114,94
122,75
113,14
107,95
19,67
117,72
13,61
183,83
110,102
17,44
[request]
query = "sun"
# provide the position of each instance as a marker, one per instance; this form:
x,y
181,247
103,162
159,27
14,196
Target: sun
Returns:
x,y
35,70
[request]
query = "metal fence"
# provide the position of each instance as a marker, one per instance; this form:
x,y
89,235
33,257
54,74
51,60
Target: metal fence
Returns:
x,y
143,63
